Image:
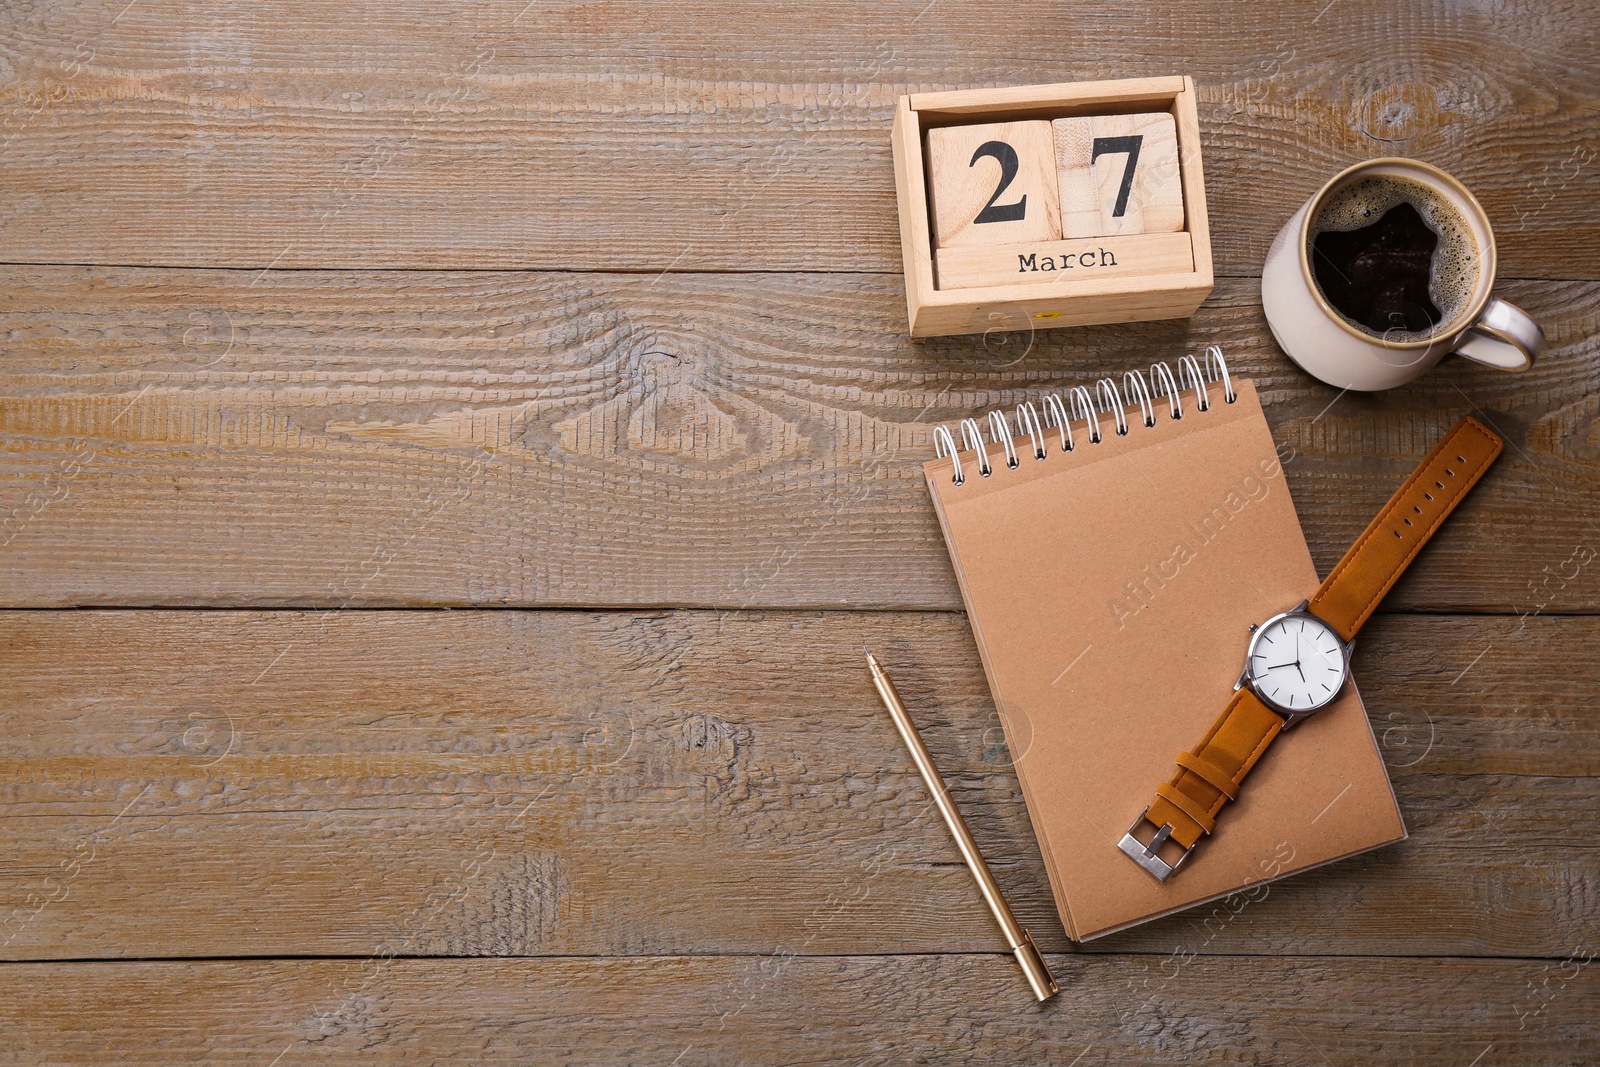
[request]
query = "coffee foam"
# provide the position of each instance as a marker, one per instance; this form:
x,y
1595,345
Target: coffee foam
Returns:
x,y
1453,278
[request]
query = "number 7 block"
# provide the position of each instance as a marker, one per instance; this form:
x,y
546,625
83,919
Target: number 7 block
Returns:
x,y
1118,174
993,183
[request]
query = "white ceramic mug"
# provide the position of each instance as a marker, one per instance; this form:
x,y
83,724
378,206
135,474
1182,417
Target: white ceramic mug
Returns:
x,y
1332,348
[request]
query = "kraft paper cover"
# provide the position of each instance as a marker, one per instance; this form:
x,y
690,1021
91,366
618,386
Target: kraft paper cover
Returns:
x,y
1110,590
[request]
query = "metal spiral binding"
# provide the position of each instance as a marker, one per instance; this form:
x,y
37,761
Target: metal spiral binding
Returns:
x,y
1110,401
1080,400
1085,407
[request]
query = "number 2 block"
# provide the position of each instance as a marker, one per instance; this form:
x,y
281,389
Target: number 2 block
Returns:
x,y
993,183
1118,174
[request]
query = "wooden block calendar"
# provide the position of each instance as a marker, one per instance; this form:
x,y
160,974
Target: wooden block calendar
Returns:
x,y
1055,205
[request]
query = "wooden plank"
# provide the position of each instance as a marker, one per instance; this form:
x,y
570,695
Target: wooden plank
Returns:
x,y
775,1009
490,133
492,783
309,438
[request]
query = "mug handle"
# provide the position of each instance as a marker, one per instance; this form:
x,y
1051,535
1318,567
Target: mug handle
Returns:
x,y
1504,337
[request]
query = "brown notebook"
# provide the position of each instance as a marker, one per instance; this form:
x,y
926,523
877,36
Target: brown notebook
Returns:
x,y
1110,589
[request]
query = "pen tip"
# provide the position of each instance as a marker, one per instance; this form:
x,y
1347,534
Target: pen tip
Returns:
x,y
872,661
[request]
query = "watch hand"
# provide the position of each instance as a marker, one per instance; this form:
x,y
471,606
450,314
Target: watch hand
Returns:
x,y
1291,663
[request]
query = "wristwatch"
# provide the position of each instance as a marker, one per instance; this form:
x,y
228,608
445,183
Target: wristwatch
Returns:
x,y
1297,662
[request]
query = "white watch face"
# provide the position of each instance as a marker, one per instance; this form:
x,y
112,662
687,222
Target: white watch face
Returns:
x,y
1296,662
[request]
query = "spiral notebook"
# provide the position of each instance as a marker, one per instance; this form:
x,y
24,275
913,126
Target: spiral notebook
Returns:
x,y
1113,545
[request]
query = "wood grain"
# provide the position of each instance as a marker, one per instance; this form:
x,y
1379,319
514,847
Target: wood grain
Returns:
x,y
775,1009
410,438
511,783
666,134
695,828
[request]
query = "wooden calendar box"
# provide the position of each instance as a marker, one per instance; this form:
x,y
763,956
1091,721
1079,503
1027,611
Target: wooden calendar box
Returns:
x,y
1110,226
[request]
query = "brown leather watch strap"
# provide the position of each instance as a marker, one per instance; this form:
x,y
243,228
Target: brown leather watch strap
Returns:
x,y
1378,558
1185,808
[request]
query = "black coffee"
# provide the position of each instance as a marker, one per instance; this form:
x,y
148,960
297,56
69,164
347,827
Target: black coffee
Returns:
x,y
1393,257
1378,276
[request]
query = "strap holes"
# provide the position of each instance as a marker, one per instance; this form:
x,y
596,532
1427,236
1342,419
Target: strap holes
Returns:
x,y
1408,522
1417,510
1428,495
1438,485
1448,473
1397,533
1460,459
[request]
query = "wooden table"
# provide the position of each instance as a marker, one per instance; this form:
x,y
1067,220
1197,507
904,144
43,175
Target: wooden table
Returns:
x,y
485,437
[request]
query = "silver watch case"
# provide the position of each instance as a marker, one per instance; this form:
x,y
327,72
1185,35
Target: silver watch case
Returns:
x,y
1291,716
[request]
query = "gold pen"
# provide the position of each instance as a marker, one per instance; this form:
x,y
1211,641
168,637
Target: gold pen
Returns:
x,y
1033,965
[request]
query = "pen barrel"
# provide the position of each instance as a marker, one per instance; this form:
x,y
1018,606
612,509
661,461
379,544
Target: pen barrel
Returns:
x,y
1033,966
1022,946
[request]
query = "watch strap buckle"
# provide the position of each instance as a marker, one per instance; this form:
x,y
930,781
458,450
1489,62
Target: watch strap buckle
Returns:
x,y
1145,855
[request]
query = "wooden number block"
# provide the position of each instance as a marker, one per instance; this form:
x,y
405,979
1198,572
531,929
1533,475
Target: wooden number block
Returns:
x,y
993,184
1118,174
